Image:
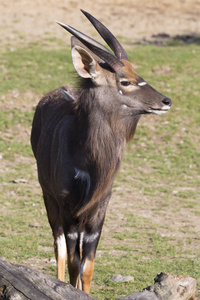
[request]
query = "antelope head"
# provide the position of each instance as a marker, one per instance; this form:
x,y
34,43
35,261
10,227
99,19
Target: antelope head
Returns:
x,y
105,68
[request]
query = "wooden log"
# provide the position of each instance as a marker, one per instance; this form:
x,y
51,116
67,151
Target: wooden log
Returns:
x,y
167,287
21,283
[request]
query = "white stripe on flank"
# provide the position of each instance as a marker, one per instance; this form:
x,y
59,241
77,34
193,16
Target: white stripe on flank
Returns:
x,y
61,246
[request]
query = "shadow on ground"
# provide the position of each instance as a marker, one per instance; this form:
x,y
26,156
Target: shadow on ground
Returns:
x,y
162,39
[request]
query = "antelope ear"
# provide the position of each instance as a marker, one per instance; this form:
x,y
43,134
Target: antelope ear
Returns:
x,y
84,64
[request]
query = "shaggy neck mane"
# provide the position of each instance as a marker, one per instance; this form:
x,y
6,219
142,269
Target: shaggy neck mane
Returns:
x,y
101,144
104,134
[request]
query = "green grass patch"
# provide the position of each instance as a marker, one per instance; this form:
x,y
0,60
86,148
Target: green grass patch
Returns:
x,y
11,117
35,68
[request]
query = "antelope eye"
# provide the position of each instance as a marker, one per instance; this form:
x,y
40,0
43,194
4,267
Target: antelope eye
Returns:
x,y
125,83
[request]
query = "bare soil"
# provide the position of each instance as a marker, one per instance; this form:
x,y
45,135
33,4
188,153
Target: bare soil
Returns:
x,y
136,20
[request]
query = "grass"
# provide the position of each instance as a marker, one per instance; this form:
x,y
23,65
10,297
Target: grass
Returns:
x,y
156,231
35,68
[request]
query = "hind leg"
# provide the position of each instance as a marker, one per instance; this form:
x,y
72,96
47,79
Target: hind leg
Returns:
x,y
90,239
73,258
89,246
60,252
56,223
81,248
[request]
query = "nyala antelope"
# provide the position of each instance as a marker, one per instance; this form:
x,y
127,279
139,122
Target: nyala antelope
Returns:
x,y
78,138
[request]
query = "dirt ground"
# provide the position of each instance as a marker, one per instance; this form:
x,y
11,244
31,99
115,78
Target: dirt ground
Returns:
x,y
139,21
134,19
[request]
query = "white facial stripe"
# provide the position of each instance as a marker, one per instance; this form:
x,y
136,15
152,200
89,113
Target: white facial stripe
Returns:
x,y
142,83
61,246
72,236
91,238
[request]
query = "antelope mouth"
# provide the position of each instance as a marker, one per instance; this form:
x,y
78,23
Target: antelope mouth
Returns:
x,y
159,111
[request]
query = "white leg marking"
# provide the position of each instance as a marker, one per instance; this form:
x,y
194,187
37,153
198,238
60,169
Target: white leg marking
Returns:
x,y
72,236
81,241
61,246
90,238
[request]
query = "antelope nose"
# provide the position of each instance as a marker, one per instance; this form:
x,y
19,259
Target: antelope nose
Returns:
x,y
167,101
